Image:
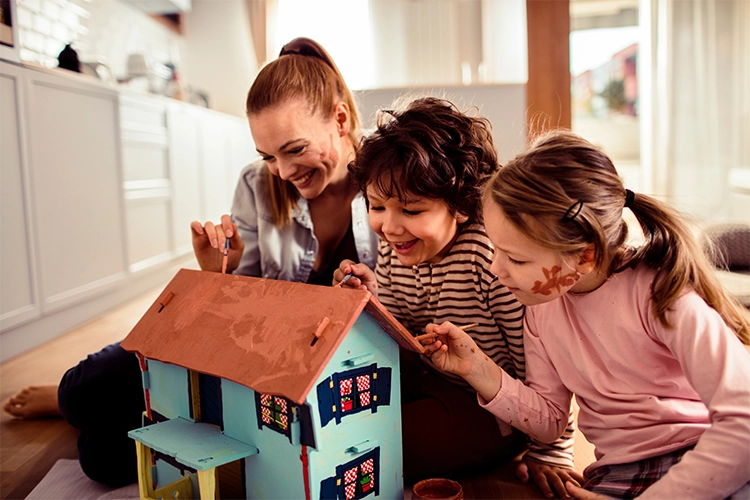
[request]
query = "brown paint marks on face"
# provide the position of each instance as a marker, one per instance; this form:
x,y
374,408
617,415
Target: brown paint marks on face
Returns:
x,y
554,280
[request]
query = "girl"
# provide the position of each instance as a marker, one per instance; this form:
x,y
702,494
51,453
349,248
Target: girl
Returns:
x,y
646,339
423,171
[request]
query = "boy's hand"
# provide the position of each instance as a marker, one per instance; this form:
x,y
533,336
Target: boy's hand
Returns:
x,y
362,277
208,244
547,477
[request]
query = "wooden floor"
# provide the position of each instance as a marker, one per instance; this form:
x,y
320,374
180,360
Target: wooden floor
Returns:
x,y
28,449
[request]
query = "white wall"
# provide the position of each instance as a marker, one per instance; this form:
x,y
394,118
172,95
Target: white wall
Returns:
x,y
219,56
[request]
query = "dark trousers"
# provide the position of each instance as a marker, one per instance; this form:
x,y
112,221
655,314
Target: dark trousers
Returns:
x,y
102,396
445,431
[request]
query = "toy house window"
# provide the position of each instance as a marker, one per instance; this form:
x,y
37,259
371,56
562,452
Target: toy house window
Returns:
x,y
353,391
275,412
355,479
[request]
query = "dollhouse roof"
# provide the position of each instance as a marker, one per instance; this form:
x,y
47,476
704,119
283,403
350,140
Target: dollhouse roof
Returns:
x,y
253,331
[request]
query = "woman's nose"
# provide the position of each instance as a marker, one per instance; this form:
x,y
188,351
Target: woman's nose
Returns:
x,y
285,169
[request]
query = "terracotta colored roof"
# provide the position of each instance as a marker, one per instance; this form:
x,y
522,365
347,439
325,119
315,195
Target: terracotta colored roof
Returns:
x,y
256,332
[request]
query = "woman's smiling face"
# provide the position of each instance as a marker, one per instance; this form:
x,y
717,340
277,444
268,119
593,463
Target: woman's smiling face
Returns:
x,y
304,148
417,229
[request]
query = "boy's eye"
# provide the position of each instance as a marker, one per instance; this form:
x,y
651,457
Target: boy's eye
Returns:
x,y
412,212
376,209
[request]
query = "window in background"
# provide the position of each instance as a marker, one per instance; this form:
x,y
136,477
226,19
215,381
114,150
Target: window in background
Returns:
x,y
397,43
604,43
341,26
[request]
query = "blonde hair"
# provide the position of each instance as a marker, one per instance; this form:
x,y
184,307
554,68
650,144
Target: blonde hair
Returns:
x,y
565,194
303,70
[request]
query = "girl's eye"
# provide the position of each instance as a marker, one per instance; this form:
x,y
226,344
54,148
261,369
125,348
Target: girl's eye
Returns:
x,y
266,158
412,212
514,261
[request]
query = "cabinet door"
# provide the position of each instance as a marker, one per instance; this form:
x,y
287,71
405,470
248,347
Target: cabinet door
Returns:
x,y
147,184
18,296
77,200
183,125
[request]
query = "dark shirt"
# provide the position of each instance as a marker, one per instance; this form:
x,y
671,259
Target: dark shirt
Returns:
x,y
345,250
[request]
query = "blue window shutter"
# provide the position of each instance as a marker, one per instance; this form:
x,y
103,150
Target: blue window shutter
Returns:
x,y
325,402
382,387
328,490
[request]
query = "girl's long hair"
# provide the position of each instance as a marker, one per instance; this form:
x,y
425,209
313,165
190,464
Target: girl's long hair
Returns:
x,y
542,190
303,70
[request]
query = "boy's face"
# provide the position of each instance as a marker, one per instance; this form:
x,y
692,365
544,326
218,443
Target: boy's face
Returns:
x,y
418,229
533,274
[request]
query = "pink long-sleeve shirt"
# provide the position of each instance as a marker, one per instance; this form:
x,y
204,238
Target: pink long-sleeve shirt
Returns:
x,y
643,389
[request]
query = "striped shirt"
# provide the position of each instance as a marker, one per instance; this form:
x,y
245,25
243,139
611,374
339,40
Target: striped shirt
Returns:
x,y
461,289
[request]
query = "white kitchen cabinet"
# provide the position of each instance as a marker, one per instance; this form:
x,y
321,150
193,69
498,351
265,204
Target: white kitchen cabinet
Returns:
x,y
146,184
183,124
19,301
99,187
76,190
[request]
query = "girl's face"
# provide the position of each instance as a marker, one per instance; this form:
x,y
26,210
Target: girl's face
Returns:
x,y
533,273
418,229
308,150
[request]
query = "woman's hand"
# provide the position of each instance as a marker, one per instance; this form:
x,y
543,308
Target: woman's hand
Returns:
x,y
548,477
208,244
362,277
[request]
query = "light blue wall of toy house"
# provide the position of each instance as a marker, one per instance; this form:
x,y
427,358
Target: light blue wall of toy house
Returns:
x,y
170,397
332,440
272,474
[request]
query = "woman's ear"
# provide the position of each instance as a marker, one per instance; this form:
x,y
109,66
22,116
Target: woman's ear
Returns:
x,y
586,259
342,114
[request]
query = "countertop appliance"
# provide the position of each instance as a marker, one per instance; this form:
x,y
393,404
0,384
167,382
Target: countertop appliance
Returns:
x,y
8,31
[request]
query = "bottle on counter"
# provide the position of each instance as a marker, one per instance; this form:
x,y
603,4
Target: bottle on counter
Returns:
x,y
175,89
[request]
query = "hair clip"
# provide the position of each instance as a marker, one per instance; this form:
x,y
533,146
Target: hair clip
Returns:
x,y
573,211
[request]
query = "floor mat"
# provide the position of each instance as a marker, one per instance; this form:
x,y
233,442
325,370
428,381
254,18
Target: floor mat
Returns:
x,y
66,481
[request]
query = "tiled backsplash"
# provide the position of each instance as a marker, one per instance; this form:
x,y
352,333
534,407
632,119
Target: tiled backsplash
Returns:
x,y
106,31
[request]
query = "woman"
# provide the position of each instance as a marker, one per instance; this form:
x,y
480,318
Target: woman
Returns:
x,y
290,225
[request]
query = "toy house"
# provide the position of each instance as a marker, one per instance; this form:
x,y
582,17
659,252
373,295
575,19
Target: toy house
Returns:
x,y
259,388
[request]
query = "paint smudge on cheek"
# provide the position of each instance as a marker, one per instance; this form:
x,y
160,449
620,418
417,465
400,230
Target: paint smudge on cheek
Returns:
x,y
554,280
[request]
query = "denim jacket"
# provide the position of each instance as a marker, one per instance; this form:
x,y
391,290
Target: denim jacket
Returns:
x,y
286,253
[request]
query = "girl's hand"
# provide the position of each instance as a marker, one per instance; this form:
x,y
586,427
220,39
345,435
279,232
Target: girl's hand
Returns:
x,y
581,494
362,277
208,244
450,348
547,477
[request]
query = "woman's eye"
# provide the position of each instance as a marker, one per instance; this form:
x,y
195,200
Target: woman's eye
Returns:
x,y
296,151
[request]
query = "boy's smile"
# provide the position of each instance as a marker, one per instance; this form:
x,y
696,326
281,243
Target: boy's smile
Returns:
x,y
418,229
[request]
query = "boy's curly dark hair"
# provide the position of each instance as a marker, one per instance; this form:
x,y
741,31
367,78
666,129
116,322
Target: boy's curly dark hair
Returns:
x,y
429,149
